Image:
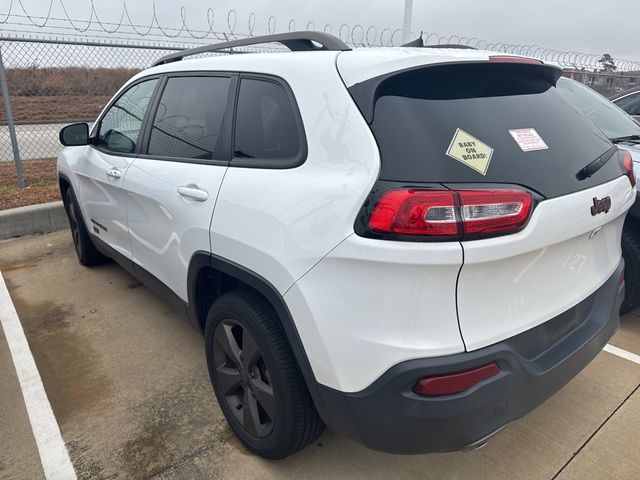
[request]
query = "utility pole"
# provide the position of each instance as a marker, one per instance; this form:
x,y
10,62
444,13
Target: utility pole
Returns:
x,y
406,26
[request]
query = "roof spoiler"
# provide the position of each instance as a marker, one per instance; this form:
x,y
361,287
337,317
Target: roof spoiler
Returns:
x,y
419,43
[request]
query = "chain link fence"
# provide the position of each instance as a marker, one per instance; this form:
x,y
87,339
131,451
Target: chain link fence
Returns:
x,y
53,83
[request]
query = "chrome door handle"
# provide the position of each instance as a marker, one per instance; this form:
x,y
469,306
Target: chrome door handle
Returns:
x,y
114,173
193,192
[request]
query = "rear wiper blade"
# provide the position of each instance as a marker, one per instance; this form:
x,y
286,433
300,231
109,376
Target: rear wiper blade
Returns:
x,y
628,138
241,154
596,165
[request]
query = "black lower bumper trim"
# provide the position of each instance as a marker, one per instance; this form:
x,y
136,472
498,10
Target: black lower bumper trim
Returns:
x,y
390,417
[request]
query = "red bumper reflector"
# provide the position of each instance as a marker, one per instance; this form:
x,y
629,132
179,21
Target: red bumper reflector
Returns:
x,y
451,383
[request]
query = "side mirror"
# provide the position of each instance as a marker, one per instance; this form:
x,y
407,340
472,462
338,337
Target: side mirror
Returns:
x,y
118,142
75,135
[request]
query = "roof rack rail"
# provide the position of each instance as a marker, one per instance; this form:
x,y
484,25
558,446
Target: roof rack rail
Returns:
x,y
419,43
294,41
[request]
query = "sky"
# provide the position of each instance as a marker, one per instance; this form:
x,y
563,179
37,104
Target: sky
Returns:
x,y
592,26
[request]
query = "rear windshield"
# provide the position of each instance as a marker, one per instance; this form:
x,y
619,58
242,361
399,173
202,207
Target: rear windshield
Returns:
x,y
482,122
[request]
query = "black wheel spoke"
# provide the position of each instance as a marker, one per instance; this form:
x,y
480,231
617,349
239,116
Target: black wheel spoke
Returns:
x,y
264,396
228,343
251,416
250,351
229,378
243,379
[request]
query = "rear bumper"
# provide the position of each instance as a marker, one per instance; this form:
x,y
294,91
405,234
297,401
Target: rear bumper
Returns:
x,y
388,416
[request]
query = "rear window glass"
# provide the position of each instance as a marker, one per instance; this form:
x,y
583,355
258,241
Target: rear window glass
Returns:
x,y
418,116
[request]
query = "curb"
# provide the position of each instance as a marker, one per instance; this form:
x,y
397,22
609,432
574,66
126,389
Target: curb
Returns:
x,y
43,218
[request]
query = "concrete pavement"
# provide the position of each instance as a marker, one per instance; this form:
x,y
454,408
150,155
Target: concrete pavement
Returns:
x,y
127,382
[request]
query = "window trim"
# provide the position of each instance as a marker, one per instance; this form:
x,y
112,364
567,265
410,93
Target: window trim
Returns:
x,y
270,163
226,121
95,131
228,125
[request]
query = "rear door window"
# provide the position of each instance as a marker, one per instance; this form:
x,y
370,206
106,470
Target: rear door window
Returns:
x,y
266,123
509,118
189,118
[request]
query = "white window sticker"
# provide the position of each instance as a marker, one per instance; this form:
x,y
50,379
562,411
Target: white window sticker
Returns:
x,y
467,149
528,139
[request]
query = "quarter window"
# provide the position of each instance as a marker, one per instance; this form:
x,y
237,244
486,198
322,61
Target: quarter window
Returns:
x,y
266,126
189,118
630,104
120,126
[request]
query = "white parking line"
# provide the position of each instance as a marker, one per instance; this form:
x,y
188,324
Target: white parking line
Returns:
x,y
622,353
54,456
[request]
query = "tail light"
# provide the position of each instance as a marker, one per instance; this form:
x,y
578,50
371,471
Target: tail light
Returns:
x,y
451,214
627,162
416,212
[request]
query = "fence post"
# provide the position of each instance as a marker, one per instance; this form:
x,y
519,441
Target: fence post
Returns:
x,y
4,87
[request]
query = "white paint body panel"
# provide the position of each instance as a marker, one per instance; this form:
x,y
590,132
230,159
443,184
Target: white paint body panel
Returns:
x,y
371,304
100,196
280,223
166,228
513,283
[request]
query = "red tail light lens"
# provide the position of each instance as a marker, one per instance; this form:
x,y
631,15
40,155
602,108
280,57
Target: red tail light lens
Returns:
x,y
451,383
449,214
513,59
627,162
415,212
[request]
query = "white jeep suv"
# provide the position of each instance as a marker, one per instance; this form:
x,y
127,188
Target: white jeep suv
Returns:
x,y
414,246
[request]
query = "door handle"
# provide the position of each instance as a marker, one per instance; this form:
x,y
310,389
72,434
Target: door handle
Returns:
x,y
114,173
193,192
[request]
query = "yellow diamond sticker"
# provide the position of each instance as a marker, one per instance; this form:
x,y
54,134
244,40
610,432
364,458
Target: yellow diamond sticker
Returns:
x,y
469,150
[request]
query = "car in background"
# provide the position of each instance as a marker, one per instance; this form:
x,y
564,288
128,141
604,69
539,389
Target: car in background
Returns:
x,y
625,133
629,101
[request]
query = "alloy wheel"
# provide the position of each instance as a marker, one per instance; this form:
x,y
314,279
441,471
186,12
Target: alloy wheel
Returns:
x,y
244,378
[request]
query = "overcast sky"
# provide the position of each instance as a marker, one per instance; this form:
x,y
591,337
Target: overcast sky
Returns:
x,y
594,26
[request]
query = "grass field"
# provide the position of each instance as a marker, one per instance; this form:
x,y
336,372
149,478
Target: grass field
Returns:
x,y
61,95
56,109
41,184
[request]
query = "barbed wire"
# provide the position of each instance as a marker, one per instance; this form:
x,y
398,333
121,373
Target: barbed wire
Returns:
x,y
356,35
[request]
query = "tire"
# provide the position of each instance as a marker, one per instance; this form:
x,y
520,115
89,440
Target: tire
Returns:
x,y
256,378
87,253
631,255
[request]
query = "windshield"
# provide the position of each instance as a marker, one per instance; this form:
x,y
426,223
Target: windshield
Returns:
x,y
609,118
